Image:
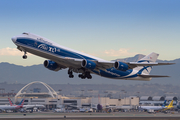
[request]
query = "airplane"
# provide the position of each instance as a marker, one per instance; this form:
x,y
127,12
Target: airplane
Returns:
x,y
11,107
60,109
31,107
60,57
82,109
170,106
154,107
158,108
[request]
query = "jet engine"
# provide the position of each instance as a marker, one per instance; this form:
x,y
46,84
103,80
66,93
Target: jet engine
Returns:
x,y
121,66
88,64
51,65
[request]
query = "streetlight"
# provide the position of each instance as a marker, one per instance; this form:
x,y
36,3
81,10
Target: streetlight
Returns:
x,y
59,91
82,92
3,89
90,90
105,96
12,92
138,94
125,96
122,92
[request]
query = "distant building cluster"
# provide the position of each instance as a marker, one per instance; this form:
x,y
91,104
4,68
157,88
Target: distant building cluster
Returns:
x,y
52,99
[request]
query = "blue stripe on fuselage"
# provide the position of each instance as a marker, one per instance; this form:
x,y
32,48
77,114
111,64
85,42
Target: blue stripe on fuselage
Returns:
x,y
51,49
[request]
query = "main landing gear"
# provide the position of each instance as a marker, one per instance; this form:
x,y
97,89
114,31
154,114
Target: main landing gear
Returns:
x,y
84,75
24,56
70,73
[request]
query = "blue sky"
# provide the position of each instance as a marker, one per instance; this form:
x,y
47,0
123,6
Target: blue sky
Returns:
x,y
107,29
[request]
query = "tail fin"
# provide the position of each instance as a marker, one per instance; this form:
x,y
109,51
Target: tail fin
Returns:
x,y
164,104
171,104
152,57
22,102
10,101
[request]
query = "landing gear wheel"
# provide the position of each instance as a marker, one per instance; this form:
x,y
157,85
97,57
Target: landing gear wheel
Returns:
x,y
24,56
70,73
85,75
71,76
89,77
80,75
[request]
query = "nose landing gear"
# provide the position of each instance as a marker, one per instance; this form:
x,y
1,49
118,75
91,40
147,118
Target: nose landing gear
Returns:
x,y
24,56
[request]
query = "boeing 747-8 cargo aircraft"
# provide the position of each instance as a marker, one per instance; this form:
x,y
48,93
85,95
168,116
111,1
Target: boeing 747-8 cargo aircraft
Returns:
x,y
60,57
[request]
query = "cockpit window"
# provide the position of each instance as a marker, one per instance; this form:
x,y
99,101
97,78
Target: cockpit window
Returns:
x,y
25,33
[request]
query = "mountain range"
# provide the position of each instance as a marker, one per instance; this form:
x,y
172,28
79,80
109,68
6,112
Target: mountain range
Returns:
x,y
11,73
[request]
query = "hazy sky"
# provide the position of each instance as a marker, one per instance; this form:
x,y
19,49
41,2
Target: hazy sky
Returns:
x,y
108,29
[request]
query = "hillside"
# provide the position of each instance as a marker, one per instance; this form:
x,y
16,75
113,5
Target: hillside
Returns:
x,y
11,73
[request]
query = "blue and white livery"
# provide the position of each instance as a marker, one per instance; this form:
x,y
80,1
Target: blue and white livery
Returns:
x,y
60,57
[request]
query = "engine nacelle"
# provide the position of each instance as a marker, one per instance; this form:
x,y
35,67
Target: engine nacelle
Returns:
x,y
88,64
51,65
121,66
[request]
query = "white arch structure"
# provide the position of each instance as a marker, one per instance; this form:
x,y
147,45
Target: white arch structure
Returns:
x,y
52,93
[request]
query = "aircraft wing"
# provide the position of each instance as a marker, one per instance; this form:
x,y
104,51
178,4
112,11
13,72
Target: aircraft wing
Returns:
x,y
104,65
110,64
76,63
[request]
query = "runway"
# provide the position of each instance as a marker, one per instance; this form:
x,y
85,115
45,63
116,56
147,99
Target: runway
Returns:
x,y
91,116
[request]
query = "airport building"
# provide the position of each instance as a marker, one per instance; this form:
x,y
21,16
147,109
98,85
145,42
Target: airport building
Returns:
x,y
52,100
157,100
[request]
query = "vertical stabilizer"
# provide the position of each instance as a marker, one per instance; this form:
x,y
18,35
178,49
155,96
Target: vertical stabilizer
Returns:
x,y
10,102
171,104
152,57
22,102
164,104
149,58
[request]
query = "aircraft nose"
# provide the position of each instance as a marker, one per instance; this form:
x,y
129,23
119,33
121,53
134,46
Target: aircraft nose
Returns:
x,y
14,39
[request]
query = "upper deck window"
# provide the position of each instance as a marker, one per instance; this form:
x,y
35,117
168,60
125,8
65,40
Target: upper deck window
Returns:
x,y
25,33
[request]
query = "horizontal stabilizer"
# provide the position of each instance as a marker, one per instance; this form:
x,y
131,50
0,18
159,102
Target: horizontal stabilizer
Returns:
x,y
149,64
136,64
149,76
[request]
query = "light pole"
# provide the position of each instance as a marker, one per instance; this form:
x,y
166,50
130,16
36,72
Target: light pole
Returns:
x,y
12,92
125,96
82,92
90,90
122,92
3,90
59,91
90,96
138,94
105,96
